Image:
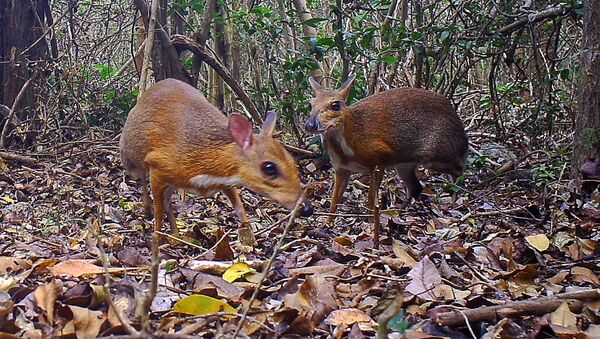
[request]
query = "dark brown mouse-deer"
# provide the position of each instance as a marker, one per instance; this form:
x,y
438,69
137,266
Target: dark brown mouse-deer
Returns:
x,y
178,139
400,128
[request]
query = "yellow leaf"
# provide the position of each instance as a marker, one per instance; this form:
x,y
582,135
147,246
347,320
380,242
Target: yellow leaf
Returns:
x,y
128,206
540,242
199,304
237,271
8,200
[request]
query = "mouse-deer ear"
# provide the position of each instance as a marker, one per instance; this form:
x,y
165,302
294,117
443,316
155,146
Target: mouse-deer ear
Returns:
x,y
240,130
316,86
269,125
345,88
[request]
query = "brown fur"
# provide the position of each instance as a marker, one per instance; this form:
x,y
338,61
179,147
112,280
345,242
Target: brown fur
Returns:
x,y
402,128
174,134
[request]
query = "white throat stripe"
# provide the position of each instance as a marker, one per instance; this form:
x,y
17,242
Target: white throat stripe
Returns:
x,y
203,181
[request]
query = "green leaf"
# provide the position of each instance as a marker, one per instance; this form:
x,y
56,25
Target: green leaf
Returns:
x,y
199,304
445,36
389,59
313,22
416,35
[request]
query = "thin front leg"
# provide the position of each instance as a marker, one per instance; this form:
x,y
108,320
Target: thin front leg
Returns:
x,y
373,201
238,207
339,187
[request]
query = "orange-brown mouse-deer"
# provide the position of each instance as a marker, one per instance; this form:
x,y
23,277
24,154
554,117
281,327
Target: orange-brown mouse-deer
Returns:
x,y
400,128
178,139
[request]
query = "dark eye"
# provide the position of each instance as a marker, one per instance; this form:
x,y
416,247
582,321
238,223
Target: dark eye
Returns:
x,y
336,105
269,169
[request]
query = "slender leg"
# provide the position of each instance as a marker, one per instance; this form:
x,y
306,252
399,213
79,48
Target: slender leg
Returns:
x,y
339,187
373,200
408,175
170,213
158,190
146,196
238,206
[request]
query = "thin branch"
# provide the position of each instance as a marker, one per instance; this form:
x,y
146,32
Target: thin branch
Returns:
x,y
200,52
276,251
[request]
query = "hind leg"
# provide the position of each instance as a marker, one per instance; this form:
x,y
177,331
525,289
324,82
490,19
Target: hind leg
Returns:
x,y
170,213
406,172
146,198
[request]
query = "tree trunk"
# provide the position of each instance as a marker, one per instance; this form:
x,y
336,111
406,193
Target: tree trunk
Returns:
x,y
221,47
587,120
309,31
22,40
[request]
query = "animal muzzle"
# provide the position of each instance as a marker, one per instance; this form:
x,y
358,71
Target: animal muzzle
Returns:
x,y
312,125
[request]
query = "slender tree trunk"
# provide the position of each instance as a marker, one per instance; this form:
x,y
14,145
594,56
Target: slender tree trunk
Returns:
x,y
309,31
587,120
202,36
221,48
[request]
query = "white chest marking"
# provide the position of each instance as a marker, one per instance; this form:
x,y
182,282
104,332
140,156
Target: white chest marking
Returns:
x,y
204,181
347,153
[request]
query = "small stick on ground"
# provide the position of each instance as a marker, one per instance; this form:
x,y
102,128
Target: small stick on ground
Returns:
x,y
288,227
537,306
18,158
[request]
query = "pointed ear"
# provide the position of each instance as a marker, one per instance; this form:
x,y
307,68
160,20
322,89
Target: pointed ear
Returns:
x,y
240,130
269,125
316,87
345,88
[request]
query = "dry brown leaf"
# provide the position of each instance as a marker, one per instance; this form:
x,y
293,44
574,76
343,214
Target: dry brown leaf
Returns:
x,y
333,269
584,274
77,268
86,322
223,250
348,316
402,255
424,279
10,265
563,316
316,295
45,298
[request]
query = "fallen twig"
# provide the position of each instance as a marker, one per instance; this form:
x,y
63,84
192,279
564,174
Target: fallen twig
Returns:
x,y
536,306
18,158
276,250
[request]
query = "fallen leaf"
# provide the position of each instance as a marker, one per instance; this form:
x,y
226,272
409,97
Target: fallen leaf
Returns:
x,y
10,265
8,200
45,298
347,316
583,274
401,254
223,250
237,271
425,278
540,242
563,316
77,268
199,304
87,323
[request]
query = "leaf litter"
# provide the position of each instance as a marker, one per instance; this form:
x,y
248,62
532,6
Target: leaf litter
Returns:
x,y
516,258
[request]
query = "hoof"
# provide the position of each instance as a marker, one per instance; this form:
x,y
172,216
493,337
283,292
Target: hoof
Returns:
x,y
307,210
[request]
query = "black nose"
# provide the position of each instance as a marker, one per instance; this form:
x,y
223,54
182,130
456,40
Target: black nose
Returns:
x,y
312,125
307,211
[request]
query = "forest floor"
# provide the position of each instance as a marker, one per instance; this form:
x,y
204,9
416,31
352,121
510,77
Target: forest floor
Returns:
x,y
515,229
